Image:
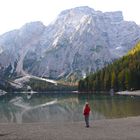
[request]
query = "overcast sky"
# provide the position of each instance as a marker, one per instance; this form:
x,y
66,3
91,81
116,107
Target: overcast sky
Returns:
x,y
15,13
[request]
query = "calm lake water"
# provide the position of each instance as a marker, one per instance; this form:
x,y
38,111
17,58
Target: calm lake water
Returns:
x,y
56,107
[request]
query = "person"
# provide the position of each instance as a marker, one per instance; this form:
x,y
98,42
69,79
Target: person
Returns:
x,y
86,112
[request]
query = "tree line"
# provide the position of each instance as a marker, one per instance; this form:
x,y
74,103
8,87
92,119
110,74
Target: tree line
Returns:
x,y
123,74
43,86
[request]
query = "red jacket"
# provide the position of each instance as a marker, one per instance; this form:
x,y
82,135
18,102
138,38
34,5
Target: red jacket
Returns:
x,y
86,110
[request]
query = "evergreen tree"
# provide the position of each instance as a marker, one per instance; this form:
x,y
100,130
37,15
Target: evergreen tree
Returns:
x,y
114,81
123,74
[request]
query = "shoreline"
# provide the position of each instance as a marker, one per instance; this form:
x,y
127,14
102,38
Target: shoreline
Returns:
x,y
131,93
107,129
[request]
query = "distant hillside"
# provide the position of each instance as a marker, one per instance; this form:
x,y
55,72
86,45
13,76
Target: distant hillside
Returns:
x,y
123,74
43,86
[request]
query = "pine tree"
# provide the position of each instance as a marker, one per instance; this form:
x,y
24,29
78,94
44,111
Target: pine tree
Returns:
x,y
114,81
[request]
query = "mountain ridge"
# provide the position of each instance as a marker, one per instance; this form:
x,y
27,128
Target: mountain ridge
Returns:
x,y
80,41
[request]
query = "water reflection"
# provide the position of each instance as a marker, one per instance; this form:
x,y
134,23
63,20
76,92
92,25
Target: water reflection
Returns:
x,y
65,107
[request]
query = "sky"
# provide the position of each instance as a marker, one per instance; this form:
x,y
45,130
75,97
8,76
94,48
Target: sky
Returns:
x,y
15,13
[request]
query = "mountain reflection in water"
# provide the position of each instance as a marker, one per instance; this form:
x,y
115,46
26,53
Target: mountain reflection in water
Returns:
x,y
56,107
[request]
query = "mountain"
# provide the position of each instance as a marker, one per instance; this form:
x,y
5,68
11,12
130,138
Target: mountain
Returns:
x,y
80,41
123,74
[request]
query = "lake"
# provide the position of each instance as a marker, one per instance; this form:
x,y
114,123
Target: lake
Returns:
x,y
57,107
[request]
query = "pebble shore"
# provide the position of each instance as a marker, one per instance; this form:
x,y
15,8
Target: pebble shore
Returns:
x,y
108,129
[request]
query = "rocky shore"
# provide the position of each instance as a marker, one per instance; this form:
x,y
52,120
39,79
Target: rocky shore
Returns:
x,y
132,93
109,129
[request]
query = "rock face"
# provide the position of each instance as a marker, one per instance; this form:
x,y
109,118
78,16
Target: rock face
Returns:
x,y
80,41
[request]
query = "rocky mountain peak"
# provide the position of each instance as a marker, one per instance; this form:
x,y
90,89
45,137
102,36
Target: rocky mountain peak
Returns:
x,y
79,42
78,10
74,13
31,29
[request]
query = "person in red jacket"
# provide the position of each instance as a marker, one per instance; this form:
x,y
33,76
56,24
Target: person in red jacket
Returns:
x,y
86,112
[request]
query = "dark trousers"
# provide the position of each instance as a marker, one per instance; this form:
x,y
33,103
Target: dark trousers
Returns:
x,y
87,120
